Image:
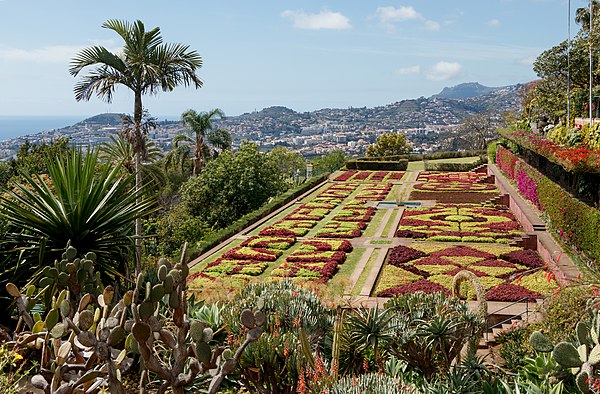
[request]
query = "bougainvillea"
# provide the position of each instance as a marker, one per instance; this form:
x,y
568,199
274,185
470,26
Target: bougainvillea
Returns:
x,y
527,186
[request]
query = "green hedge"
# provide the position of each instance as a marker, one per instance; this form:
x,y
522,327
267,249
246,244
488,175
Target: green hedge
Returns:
x,y
219,236
454,167
426,156
400,165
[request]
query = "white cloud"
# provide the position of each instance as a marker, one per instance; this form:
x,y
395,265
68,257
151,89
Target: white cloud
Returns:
x,y
49,54
442,71
388,16
432,25
493,23
526,61
393,14
409,70
322,20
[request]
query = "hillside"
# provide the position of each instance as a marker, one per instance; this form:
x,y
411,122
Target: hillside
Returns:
x,y
464,90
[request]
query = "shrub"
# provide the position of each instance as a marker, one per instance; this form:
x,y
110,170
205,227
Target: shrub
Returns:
x,y
491,151
454,167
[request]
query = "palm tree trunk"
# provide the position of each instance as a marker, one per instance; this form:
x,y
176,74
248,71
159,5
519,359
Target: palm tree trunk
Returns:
x,y
137,118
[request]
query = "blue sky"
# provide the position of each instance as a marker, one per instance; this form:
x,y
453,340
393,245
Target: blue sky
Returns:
x,y
304,55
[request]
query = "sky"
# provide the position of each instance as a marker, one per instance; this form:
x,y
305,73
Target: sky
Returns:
x,y
304,55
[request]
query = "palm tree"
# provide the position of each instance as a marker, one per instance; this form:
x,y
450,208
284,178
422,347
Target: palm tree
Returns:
x,y
200,124
179,155
145,65
93,208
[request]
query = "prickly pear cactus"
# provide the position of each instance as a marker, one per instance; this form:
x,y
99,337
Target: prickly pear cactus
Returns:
x,y
85,344
582,357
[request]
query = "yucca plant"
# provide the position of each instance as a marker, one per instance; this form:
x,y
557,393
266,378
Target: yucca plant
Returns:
x,y
80,201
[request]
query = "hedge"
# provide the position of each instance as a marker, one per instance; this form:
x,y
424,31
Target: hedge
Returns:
x,y
577,223
454,167
400,165
219,236
426,156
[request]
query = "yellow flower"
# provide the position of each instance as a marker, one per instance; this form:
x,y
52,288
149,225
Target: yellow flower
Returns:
x,y
17,357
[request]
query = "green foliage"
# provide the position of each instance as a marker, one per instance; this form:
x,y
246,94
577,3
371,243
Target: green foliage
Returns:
x,y
200,126
231,186
454,167
33,158
389,144
514,346
371,330
369,384
562,312
491,152
275,362
80,202
591,136
329,162
87,341
431,330
288,163
399,165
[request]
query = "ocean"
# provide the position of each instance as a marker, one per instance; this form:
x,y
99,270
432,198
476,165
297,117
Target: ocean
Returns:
x,y
15,126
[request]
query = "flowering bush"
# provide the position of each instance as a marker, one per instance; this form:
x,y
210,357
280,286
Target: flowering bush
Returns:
x,y
526,185
506,160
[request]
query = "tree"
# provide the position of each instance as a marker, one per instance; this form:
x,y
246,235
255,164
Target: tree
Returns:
x,y
145,65
329,162
389,144
476,131
231,186
93,208
200,124
32,157
288,163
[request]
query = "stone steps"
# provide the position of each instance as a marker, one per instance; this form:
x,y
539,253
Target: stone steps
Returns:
x,y
527,241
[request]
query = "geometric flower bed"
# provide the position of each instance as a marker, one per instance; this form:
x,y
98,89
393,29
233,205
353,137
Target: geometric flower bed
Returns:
x,y
371,176
354,214
460,222
326,244
507,273
286,228
335,229
455,186
316,265
437,176
374,192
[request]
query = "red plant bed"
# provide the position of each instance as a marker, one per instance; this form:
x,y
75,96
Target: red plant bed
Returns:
x,y
259,254
528,258
410,234
495,263
510,292
361,176
323,245
403,254
419,222
434,260
458,269
259,242
313,257
345,176
395,176
422,285
378,176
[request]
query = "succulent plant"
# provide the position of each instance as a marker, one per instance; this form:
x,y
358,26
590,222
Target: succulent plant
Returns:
x,y
85,345
582,356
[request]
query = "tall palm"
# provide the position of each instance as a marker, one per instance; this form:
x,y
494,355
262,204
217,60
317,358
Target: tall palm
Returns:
x,y
145,65
200,124
91,206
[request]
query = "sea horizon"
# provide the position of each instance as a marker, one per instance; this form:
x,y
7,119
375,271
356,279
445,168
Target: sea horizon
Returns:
x,y
13,126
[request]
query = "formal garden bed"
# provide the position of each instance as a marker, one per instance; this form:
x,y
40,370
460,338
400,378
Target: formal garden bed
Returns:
x,y
507,273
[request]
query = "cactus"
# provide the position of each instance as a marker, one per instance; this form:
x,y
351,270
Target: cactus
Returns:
x,y
85,344
582,358
482,311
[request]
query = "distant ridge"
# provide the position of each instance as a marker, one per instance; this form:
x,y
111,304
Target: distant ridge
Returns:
x,y
111,119
464,90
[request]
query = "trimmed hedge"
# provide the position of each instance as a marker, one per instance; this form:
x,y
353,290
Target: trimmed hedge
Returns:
x,y
426,156
400,165
454,167
221,235
577,223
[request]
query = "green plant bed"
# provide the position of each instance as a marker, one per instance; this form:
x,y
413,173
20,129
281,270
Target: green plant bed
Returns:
x,y
362,279
341,280
380,242
374,224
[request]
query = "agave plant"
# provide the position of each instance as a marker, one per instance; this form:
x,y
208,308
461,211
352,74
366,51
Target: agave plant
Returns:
x,y
81,202
371,329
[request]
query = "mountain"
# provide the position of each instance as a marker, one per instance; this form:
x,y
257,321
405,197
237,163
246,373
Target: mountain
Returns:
x,y
464,90
110,119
